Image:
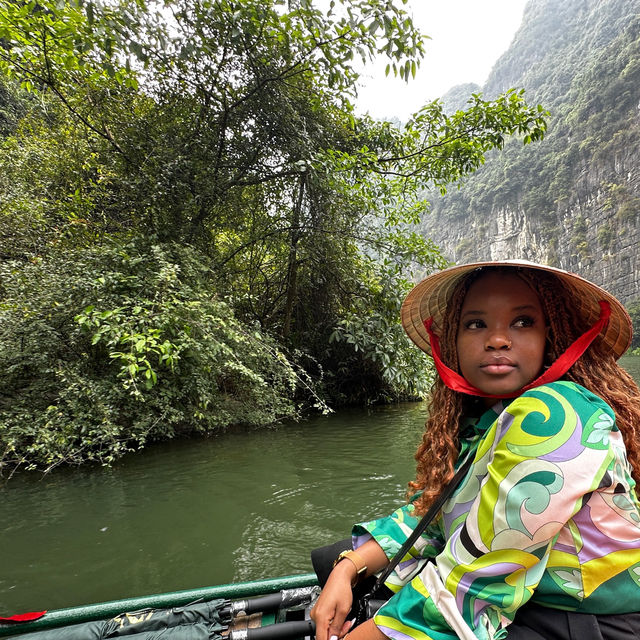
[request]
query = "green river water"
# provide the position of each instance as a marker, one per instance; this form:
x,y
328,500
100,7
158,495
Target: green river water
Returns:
x,y
180,515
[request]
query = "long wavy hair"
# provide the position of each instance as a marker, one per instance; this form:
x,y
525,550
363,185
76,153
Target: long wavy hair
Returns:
x,y
596,370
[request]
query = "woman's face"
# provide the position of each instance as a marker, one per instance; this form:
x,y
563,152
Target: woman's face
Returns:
x,y
501,334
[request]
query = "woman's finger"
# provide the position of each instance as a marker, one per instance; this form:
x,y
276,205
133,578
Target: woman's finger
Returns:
x,y
346,627
323,618
337,625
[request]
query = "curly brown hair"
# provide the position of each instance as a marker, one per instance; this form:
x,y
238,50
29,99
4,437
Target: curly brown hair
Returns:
x,y
596,370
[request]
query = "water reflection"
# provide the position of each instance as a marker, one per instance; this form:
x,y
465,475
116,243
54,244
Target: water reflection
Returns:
x,y
632,365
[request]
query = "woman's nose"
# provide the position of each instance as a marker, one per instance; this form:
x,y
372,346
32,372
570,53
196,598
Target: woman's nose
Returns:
x,y
497,340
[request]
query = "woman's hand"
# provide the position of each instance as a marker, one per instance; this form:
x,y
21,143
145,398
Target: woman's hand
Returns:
x,y
335,601
333,605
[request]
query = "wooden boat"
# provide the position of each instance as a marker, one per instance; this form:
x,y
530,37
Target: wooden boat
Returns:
x,y
257,610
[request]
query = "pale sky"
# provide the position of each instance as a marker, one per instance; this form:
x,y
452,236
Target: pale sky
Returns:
x,y
467,37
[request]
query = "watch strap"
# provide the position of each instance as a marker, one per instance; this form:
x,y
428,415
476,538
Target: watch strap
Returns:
x,y
356,559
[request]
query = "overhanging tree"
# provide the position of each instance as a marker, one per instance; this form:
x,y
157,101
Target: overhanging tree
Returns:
x,y
230,126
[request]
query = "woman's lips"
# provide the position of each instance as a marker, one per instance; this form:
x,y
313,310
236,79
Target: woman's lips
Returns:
x,y
498,366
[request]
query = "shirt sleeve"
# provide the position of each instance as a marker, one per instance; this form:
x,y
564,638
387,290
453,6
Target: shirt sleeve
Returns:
x,y
532,472
391,532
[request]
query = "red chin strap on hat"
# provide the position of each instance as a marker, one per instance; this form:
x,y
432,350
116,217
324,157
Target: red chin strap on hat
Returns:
x,y
562,364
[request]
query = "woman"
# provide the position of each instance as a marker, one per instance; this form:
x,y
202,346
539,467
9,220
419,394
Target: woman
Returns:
x,y
542,537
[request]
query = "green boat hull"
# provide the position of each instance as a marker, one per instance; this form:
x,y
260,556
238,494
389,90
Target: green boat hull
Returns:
x,y
105,610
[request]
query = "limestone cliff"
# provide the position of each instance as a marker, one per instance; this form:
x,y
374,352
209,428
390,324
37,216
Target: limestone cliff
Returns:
x,y
573,200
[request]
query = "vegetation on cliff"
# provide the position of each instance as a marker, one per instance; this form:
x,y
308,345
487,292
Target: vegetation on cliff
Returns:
x,y
582,61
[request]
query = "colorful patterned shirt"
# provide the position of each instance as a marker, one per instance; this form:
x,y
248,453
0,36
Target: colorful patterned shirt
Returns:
x,y
547,512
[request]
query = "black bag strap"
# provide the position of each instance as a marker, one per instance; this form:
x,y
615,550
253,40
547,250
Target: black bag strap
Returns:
x,y
425,522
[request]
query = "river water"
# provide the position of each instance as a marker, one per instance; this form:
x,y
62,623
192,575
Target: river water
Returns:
x,y
185,514
245,505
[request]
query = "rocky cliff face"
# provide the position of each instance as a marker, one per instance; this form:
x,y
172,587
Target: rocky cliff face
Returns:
x,y
574,201
596,234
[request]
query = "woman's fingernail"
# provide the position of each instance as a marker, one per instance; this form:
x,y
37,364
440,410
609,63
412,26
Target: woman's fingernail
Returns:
x,y
333,638
352,622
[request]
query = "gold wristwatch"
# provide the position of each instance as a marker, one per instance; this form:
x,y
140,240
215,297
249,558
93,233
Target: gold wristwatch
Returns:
x,y
358,562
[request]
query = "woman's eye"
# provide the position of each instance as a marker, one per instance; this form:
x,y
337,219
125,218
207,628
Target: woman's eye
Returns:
x,y
474,324
523,322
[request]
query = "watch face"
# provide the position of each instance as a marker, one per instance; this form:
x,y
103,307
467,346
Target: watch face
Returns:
x,y
341,555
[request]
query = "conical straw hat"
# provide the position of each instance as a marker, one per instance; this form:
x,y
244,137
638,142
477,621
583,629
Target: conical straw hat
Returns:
x,y
430,297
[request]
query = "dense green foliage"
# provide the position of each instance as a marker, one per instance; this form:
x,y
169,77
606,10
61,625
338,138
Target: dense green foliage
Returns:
x,y
196,229
115,345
